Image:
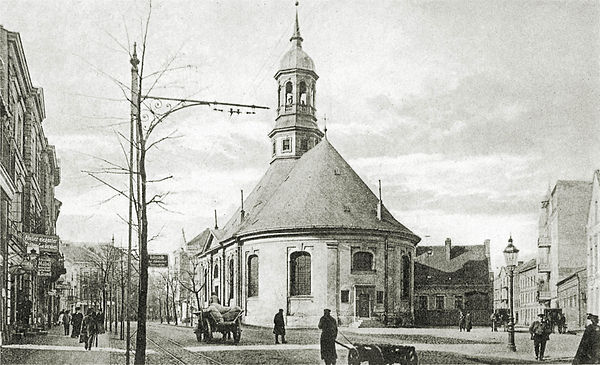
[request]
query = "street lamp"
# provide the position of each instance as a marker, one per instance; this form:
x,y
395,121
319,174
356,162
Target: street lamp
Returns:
x,y
510,256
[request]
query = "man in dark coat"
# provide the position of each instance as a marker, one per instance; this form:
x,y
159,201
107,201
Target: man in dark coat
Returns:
x,y
66,320
279,328
328,327
540,333
76,320
589,347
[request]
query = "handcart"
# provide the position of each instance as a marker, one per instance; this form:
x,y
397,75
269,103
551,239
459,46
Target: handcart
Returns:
x,y
380,354
227,322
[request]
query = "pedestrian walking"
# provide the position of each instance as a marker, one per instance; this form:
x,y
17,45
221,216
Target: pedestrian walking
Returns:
x,y
468,322
461,321
76,320
540,333
279,327
65,320
89,329
328,327
589,347
494,325
100,321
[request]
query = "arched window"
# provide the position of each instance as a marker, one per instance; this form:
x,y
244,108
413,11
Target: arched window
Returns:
x,y
279,95
206,286
216,280
362,261
289,97
302,93
405,276
314,91
253,276
300,273
231,278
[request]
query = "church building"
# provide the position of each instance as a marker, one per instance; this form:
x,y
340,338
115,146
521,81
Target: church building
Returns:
x,y
311,235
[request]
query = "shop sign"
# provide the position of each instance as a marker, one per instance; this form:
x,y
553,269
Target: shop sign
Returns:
x,y
41,243
158,260
44,267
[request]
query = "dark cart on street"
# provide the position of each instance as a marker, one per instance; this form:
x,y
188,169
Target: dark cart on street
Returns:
x,y
219,319
380,354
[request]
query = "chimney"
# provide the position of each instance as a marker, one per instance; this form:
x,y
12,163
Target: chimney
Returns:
x,y
486,243
379,203
242,213
448,248
216,223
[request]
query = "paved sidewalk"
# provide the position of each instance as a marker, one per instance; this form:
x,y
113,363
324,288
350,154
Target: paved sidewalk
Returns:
x,y
55,347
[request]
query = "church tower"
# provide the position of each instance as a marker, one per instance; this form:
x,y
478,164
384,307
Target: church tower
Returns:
x,y
296,129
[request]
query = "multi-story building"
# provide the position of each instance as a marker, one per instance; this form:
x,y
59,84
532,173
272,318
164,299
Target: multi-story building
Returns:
x,y
593,254
502,290
28,174
529,306
450,279
572,298
562,247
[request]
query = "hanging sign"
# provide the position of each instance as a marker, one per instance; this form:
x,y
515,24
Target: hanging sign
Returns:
x,y
44,267
41,243
158,260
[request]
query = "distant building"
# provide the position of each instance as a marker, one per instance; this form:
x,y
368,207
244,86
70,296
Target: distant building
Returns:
x,y
311,235
562,242
593,254
571,298
528,306
449,279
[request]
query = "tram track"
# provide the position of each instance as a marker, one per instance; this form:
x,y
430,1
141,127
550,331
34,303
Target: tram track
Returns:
x,y
185,357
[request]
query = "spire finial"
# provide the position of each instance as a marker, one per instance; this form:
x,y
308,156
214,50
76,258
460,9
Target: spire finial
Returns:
x,y
134,60
325,125
297,37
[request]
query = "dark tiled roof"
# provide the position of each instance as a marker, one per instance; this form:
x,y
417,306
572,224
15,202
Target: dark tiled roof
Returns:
x,y
79,252
527,266
319,190
467,265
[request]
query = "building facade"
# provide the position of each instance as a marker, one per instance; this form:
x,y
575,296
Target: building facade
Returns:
x,y
562,242
311,235
29,173
529,306
572,292
450,279
593,255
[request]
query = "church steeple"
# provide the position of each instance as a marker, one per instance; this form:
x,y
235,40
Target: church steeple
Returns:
x,y
296,129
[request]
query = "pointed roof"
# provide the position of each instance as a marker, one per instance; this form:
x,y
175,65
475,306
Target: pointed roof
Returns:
x,y
318,191
296,58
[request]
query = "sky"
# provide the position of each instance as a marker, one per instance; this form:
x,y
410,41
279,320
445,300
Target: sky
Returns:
x,y
468,111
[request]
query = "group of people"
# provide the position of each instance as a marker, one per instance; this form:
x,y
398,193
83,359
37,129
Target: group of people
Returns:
x,y
328,327
465,322
86,328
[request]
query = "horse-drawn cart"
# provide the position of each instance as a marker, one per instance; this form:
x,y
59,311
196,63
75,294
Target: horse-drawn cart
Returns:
x,y
216,318
380,354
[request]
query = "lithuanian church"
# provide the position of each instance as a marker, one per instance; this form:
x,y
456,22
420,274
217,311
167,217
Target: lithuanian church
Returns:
x,y
311,234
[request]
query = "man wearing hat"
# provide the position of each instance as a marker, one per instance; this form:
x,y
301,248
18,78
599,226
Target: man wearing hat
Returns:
x,y
328,327
589,347
540,333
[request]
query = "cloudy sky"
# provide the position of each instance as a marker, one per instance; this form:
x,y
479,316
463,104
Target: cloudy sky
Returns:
x,y
467,110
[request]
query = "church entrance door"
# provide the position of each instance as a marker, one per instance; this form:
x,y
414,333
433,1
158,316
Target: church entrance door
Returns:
x,y
363,305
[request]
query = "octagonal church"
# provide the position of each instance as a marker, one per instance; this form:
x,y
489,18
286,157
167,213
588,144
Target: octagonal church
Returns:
x,y
311,235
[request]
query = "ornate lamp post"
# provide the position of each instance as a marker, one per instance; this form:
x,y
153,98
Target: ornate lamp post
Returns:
x,y
510,256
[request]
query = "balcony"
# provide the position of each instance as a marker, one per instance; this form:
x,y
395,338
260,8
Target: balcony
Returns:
x,y
296,108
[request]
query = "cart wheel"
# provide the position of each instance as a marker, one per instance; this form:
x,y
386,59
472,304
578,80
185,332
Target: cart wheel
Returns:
x,y
198,335
207,330
237,335
353,357
411,357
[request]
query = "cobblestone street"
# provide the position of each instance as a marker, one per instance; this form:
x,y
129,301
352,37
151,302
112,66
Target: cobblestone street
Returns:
x,y
170,344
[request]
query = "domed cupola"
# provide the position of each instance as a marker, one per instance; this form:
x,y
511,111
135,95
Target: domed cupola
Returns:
x,y
296,129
